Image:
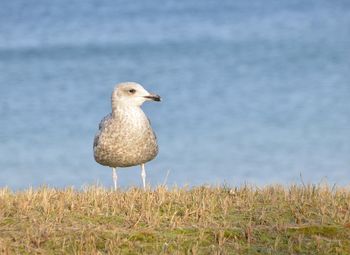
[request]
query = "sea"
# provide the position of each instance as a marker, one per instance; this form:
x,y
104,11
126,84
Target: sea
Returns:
x,y
254,92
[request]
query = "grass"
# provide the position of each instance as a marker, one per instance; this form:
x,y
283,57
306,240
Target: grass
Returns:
x,y
202,220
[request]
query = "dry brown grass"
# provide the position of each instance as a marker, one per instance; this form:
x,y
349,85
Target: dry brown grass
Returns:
x,y
203,220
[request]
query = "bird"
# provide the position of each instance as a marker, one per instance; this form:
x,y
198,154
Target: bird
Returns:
x,y
125,137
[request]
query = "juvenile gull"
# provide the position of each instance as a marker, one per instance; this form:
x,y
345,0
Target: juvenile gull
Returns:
x,y
125,136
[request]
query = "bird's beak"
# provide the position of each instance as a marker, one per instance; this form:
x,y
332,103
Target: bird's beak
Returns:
x,y
153,97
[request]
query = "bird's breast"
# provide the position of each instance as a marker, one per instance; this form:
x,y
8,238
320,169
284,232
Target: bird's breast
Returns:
x,y
127,140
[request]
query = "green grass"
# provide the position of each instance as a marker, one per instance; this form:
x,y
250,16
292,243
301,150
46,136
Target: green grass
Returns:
x,y
202,220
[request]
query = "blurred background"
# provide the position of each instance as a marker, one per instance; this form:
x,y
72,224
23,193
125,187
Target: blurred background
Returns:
x,y
253,91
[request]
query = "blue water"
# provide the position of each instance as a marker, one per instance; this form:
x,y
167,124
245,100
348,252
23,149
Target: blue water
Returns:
x,y
253,91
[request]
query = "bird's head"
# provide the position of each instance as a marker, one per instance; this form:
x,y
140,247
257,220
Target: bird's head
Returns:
x,y
132,94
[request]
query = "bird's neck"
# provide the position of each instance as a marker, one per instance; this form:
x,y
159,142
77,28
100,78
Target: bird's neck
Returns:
x,y
123,110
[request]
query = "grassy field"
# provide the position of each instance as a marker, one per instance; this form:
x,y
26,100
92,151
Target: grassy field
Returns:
x,y
202,220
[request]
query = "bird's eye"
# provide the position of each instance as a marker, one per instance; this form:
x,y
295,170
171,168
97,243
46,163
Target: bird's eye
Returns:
x,y
132,91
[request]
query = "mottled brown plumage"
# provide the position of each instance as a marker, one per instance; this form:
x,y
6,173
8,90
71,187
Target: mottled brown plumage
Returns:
x,y
125,137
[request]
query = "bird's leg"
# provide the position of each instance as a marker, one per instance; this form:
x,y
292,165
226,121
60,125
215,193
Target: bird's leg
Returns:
x,y
115,178
143,175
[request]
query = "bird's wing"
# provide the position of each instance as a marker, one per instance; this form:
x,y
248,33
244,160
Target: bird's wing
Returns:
x,y
102,124
104,121
149,121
